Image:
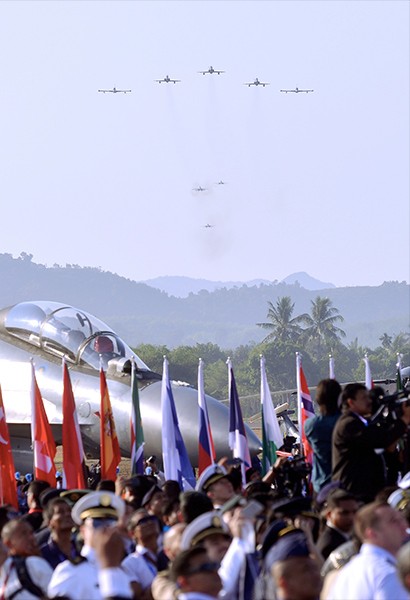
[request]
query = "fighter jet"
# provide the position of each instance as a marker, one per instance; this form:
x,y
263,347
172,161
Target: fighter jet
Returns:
x,y
168,80
256,82
211,71
199,189
207,226
49,331
297,91
220,182
115,91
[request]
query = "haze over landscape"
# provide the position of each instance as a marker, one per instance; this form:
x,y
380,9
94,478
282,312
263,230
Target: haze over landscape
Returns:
x,y
315,183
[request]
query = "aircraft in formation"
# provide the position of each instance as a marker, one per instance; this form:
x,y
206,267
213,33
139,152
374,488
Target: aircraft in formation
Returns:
x,y
207,226
115,91
168,80
297,91
220,182
199,189
211,71
256,82
50,331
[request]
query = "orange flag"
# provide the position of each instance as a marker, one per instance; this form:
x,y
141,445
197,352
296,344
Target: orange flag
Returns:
x,y
8,489
73,451
44,446
109,446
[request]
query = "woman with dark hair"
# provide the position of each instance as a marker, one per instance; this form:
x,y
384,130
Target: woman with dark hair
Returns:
x,y
319,431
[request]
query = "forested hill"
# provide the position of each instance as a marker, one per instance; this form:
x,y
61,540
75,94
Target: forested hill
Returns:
x,y
227,317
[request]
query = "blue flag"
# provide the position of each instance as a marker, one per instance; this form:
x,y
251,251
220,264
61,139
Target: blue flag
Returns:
x,y
238,441
175,457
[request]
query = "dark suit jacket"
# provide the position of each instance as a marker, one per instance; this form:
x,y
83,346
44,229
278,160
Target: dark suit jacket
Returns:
x,y
329,540
354,462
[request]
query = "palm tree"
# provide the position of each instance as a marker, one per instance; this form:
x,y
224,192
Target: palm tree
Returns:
x,y
321,328
283,327
386,341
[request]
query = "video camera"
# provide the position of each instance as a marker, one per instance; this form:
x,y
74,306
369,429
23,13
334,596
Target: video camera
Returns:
x,y
391,405
292,476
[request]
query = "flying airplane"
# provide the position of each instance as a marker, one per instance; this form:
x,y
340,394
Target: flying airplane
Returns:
x,y
49,331
220,182
297,91
115,91
256,82
207,226
211,70
168,80
199,189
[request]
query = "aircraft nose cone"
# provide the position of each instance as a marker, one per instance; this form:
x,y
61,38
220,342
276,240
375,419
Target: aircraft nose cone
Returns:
x,y
186,404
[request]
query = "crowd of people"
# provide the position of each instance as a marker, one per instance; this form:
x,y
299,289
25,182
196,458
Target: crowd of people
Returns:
x,y
338,533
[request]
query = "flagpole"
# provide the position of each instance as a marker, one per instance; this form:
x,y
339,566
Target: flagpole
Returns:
x,y
299,397
331,367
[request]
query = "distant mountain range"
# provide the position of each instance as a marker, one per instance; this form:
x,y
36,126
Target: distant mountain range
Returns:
x,y
226,316
181,287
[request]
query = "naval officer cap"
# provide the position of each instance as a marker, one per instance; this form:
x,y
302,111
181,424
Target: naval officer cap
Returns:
x,y
283,541
207,524
399,499
98,505
209,476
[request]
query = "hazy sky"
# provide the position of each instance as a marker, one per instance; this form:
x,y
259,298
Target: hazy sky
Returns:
x,y
315,182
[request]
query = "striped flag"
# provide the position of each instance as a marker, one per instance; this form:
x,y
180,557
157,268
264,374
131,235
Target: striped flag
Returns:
x,y
331,367
44,446
174,454
137,433
73,451
110,455
237,436
8,489
206,450
368,376
305,408
272,438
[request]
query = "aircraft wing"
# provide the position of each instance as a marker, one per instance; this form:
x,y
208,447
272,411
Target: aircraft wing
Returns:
x,y
219,72
286,91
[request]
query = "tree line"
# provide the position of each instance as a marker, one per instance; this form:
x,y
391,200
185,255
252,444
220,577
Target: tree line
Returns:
x,y
315,335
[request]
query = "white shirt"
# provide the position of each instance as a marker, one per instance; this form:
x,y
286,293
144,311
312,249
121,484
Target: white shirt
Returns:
x,y
370,575
80,581
138,570
114,582
194,596
39,570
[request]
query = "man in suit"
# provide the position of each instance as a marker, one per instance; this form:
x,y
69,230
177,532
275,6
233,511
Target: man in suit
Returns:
x,y
341,508
356,463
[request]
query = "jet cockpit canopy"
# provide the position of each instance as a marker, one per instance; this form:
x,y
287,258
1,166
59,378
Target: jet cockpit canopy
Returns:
x,y
68,332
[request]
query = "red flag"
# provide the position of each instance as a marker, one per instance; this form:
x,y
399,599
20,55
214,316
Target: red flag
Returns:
x,y
44,446
109,446
8,489
73,451
305,407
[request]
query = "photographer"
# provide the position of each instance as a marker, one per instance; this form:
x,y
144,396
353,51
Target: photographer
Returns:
x,y
355,463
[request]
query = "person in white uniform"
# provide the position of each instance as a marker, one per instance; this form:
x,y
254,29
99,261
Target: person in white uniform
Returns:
x,y
79,579
24,575
373,572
